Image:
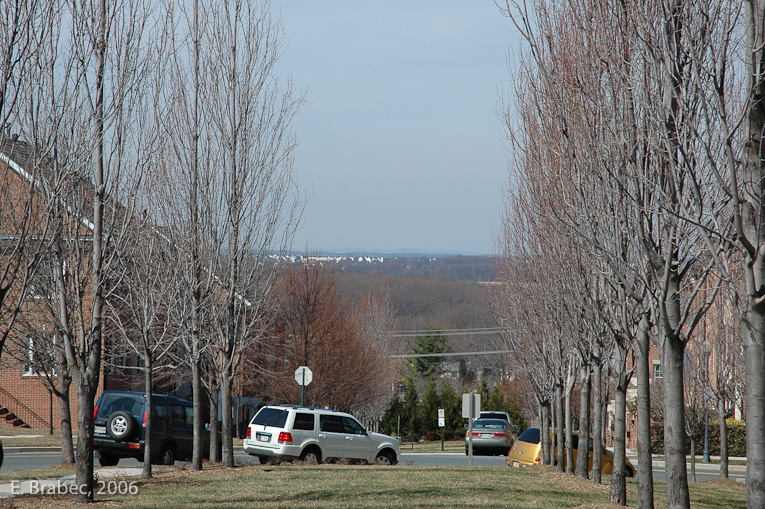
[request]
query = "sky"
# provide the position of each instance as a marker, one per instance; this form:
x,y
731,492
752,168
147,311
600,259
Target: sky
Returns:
x,y
400,143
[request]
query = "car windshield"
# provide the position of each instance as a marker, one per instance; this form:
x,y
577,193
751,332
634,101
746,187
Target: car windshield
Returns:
x,y
275,417
530,436
489,423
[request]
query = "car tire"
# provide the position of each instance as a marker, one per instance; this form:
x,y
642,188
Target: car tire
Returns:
x,y
1,453
264,460
385,458
121,426
629,472
167,456
107,459
311,455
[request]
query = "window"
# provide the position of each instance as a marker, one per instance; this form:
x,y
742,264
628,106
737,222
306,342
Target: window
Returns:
x,y
657,370
28,362
352,427
304,421
160,417
271,417
331,423
38,357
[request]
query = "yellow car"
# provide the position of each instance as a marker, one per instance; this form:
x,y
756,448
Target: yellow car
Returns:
x,y
527,451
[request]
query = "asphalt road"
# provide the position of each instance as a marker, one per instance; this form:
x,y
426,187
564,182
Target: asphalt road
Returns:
x,y
34,460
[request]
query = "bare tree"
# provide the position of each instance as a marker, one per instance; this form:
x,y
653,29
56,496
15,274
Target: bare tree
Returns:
x,y
26,30
99,66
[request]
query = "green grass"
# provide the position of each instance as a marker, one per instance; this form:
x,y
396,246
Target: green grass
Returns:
x,y
20,437
346,486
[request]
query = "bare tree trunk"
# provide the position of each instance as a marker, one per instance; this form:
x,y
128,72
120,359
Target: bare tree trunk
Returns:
x,y
583,454
693,457
754,355
64,381
597,422
618,495
215,453
570,382
545,433
226,391
560,439
645,461
674,425
723,439
148,388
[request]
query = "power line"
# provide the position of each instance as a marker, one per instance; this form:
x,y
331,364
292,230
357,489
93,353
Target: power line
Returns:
x,y
445,332
446,354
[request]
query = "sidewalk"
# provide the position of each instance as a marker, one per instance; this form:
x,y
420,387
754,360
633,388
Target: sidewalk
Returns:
x,y
63,485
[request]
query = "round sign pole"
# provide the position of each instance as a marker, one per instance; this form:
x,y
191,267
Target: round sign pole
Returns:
x,y
302,390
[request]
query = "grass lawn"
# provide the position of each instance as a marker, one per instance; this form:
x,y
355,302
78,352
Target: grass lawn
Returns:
x,y
346,486
23,437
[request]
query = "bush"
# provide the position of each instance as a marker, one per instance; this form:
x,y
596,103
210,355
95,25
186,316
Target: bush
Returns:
x,y
736,438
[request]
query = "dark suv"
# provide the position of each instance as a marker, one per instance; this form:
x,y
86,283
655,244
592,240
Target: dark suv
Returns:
x,y
120,429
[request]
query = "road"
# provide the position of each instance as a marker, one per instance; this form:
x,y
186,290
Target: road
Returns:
x,y
34,460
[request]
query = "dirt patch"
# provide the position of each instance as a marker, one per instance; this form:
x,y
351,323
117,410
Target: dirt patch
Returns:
x,y
729,484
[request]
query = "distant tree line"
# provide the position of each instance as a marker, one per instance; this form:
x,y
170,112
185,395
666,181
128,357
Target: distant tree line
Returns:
x,y
415,416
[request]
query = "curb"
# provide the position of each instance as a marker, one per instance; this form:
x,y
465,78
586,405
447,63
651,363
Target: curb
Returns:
x,y
22,449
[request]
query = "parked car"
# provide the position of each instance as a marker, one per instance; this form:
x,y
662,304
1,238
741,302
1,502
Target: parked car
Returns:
x,y
315,435
494,414
527,451
120,428
1,453
490,436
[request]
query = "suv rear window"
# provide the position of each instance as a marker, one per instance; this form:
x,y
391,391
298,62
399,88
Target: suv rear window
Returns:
x,y
271,417
530,436
121,402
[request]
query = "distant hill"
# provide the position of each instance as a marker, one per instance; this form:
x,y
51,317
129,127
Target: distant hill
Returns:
x,y
421,302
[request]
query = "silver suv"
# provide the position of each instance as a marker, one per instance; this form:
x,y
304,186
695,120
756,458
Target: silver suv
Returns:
x,y
315,435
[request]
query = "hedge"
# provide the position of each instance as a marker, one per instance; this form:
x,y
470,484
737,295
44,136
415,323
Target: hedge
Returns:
x,y
736,438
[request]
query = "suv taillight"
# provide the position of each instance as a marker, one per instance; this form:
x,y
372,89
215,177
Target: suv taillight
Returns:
x,y
285,438
95,412
249,432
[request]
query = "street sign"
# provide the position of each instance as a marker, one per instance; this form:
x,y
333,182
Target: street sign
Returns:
x,y
303,375
441,418
467,407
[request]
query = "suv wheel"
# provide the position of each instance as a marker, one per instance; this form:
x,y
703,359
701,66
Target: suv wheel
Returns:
x,y
384,458
121,426
167,456
311,455
107,459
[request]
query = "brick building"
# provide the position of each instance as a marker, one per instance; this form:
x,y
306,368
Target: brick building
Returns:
x,y
25,398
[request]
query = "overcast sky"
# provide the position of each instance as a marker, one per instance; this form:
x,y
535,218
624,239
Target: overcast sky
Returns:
x,y
400,143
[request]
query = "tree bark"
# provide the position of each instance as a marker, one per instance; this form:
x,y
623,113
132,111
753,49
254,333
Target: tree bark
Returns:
x,y
755,420
64,381
723,439
148,388
560,457
215,453
645,460
226,392
597,422
198,402
674,424
618,494
570,382
545,433
583,454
